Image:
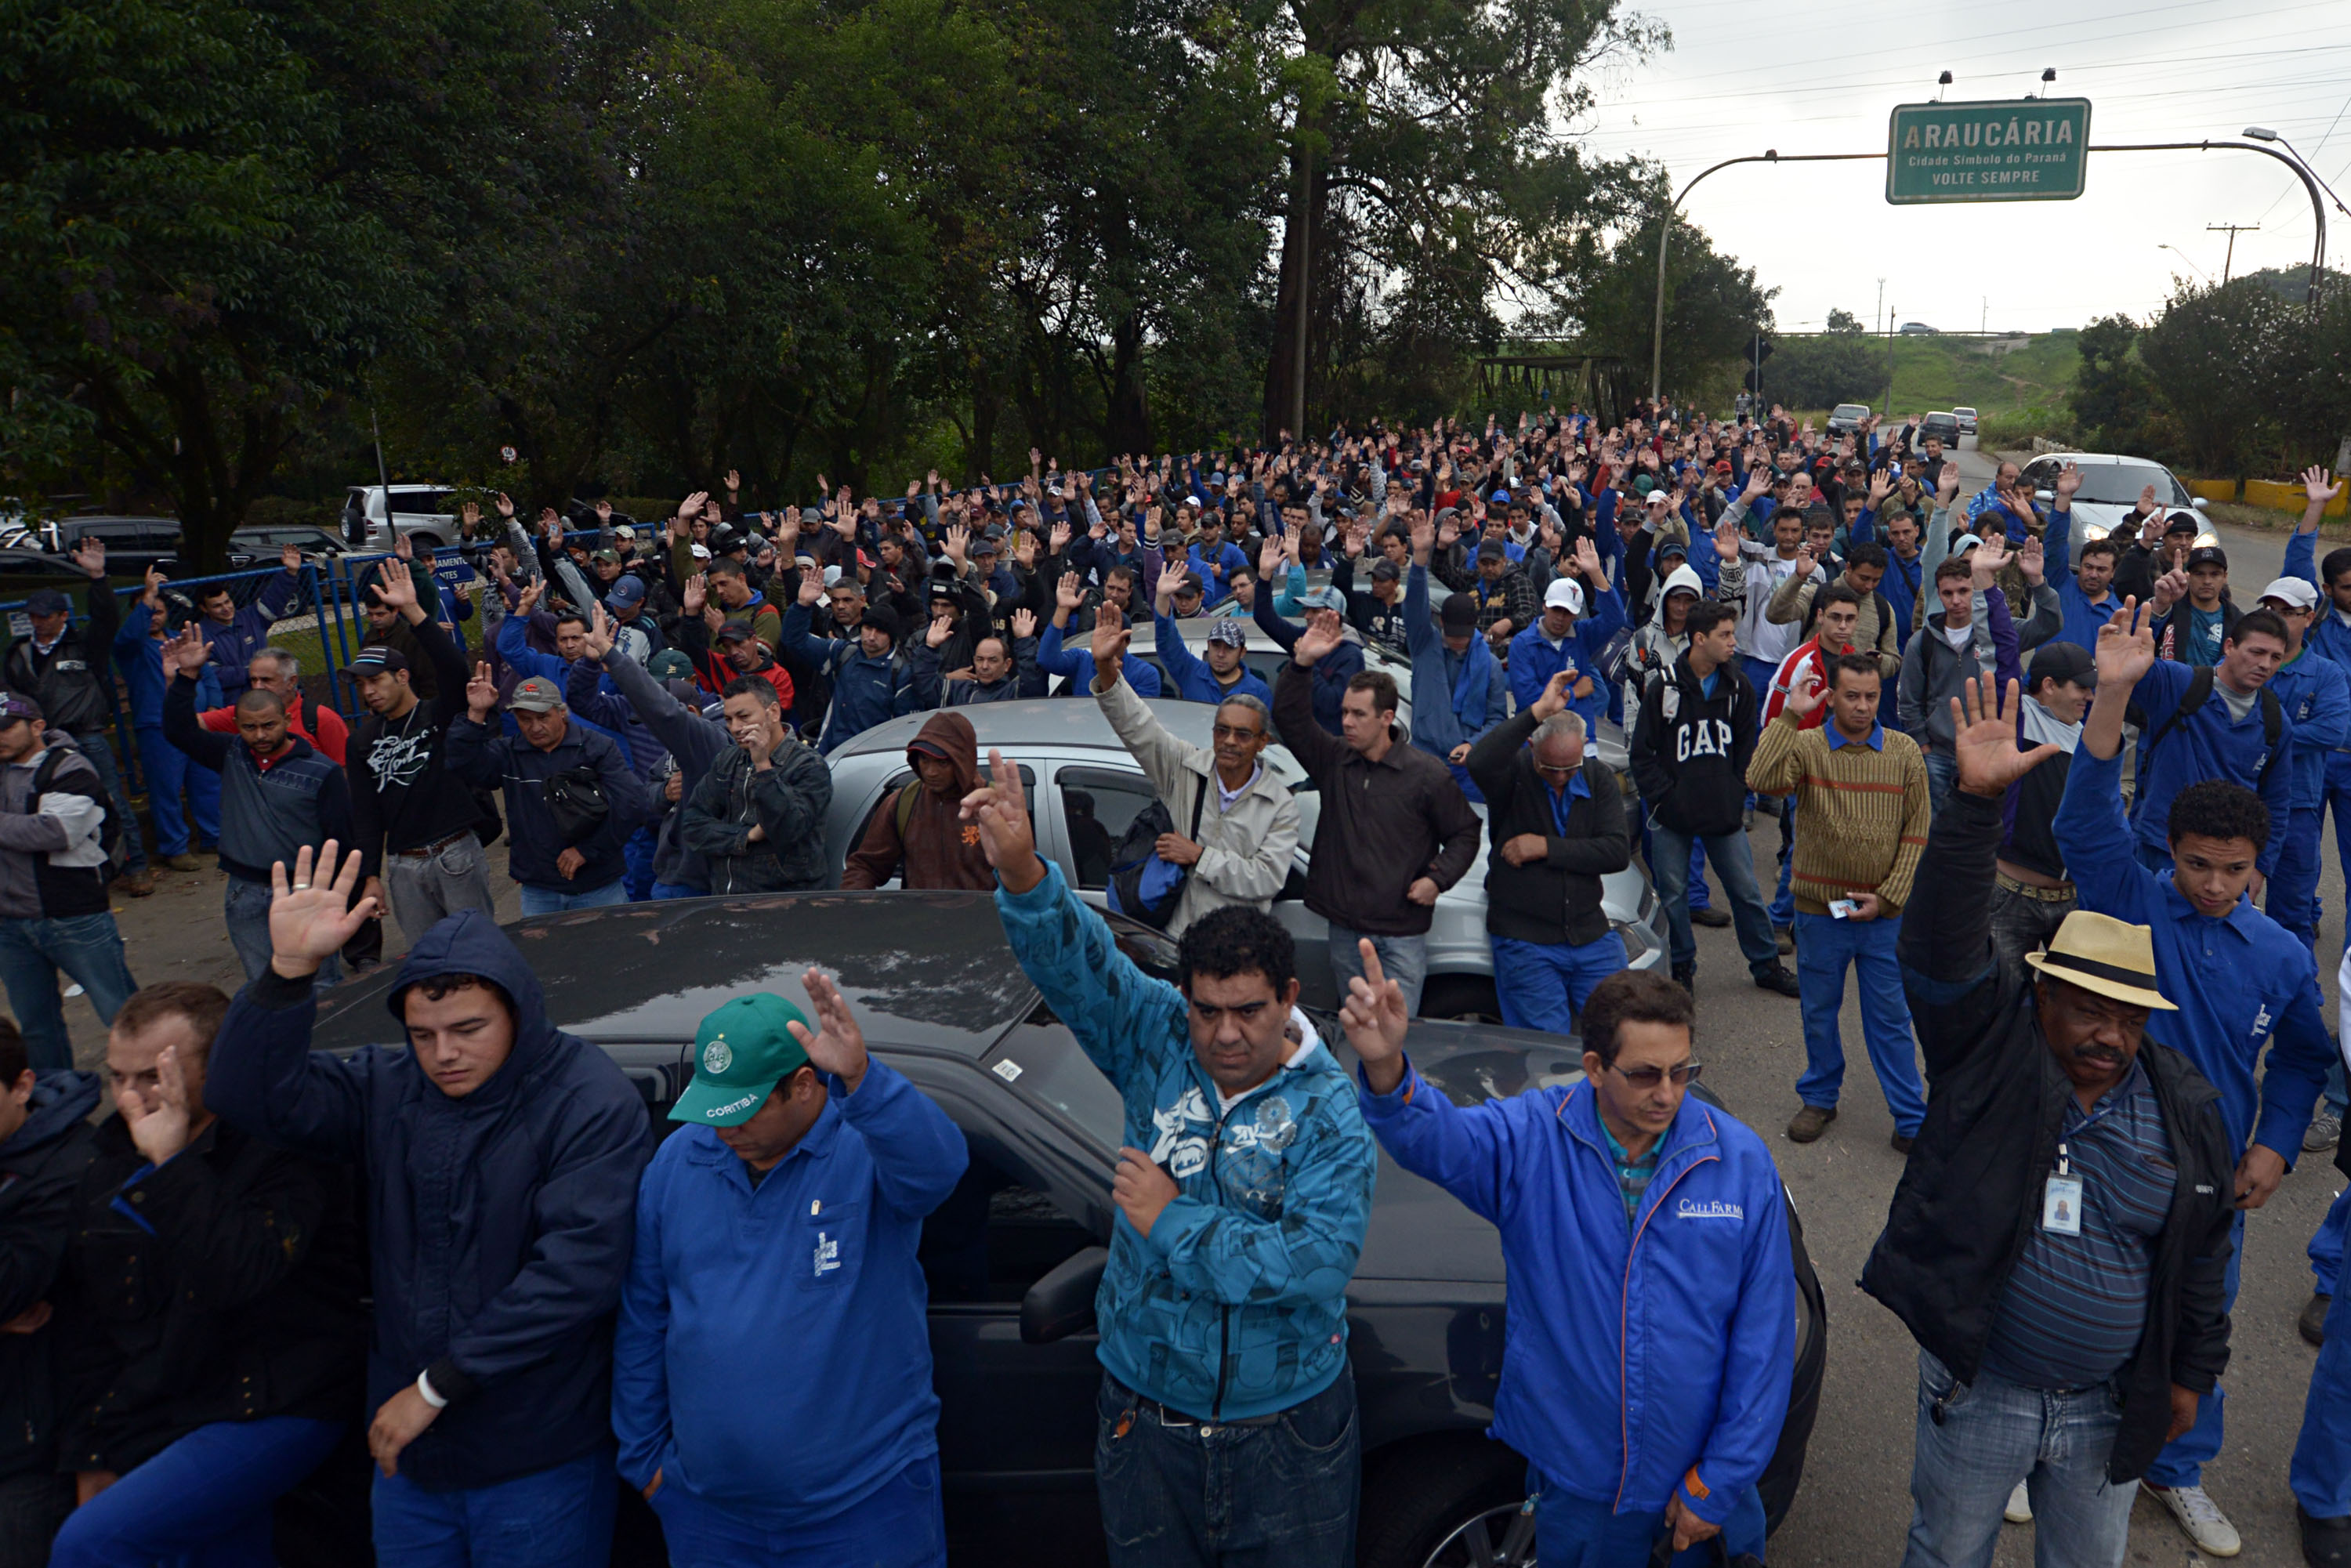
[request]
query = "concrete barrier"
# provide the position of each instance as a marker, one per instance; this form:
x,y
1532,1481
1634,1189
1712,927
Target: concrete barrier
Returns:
x,y
2286,497
2212,489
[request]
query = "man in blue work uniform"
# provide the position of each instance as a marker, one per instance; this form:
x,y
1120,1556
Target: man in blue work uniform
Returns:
x,y
2329,633
1225,1421
2086,593
2315,692
1664,1425
2238,977
2223,725
772,1369
1459,690
2320,1475
1577,621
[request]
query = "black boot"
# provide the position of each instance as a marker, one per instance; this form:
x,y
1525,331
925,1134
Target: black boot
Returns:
x,y
1685,977
2325,1542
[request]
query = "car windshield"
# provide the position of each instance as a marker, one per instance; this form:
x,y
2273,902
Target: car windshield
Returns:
x,y
2119,484
1851,411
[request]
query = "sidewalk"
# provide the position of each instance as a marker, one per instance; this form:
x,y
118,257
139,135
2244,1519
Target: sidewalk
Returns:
x,y
177,935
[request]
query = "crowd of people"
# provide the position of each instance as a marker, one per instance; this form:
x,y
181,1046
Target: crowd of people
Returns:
x,y
2110,768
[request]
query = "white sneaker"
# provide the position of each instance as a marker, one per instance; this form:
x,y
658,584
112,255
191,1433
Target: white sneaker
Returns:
x,y
2020,1506
2202,1519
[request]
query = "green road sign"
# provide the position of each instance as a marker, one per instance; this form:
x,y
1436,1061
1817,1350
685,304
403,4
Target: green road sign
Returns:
x,y
2021,149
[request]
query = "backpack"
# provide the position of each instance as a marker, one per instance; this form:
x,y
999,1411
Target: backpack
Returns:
x,y
2199,691
1142,885
577,803
114,855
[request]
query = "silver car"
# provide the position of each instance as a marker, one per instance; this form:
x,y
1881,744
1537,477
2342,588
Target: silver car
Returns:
x,y
1075,771
2110,489
425,513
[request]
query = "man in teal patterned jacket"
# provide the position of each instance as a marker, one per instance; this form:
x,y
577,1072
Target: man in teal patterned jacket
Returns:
x,y
1226,1412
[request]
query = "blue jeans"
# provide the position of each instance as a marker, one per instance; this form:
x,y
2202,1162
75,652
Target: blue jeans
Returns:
x,y
87,947
1943,778
2291,898
901,1525
1824,947
559,1518
170,773
2326,1246
1994,1434
1404,959
1281,1495
100,749
555,900
1544,985
638,852
1574,1533
2320,1474
246,907
204,1502
1669,863
678,889
2181,1463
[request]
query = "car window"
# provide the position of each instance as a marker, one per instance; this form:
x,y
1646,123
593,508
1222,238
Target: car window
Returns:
x,y
998,1233
1042,1060
2119,484
1097,807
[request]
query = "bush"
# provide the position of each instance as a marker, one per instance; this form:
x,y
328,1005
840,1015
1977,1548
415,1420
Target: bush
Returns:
x,y
2012,431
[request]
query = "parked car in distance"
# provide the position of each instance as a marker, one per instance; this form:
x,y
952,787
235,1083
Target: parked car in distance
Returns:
x,y
1946,425
1085,789
1967,418
1915,329
133,544
2110,484
1013,1257
425,513
1847,417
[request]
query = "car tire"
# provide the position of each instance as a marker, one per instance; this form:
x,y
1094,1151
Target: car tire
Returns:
x,y
1461,998
1420,1496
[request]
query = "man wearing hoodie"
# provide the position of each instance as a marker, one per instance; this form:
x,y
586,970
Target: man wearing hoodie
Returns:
x,y
917,833
771,1383
500,1158
1227,1425
871,681
45,1144
1691,740
1459,690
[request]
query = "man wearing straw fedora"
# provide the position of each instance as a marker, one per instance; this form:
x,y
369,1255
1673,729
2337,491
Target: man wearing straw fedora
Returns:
x,y
2058,1241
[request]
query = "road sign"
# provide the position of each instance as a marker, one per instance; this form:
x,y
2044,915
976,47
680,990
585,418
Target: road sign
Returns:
x,y
2018,150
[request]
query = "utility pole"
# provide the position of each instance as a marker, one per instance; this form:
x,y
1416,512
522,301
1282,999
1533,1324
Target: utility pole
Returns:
x,y
1890,364
1881,303
2232,231
1983,322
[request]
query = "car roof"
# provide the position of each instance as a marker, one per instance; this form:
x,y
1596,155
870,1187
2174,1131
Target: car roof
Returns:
x,y
929,970
2101,457
1033,721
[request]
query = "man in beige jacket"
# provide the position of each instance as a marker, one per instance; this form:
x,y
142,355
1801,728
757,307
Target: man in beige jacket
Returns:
x,y
1248,832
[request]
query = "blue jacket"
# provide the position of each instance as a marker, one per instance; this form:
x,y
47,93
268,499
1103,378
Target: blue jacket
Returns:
x,y
2317,693
140,658
866,691
2236,980
1217,574
1331,672
772,1355
1639,1354
235,644
1438,721
2330,630
1078,665
1193,681
1903,580
2208,744
489,762
1236,1304
498,1224
1535,659
2083,618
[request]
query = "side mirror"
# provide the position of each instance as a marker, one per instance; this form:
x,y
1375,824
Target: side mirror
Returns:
x,y
2197,502
1062,1302
2045,495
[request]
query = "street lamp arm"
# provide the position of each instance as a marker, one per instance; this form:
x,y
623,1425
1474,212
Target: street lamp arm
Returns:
x,y
2309,184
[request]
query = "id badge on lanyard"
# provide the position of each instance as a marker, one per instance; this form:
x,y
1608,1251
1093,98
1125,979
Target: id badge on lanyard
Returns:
x,y
2061,1198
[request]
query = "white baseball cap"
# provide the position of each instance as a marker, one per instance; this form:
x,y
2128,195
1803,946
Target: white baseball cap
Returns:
x,y
2297,591
1564,594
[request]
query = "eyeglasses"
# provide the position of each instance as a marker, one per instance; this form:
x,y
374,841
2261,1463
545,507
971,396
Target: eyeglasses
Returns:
x,y
1548,771
1650,1077
1235,732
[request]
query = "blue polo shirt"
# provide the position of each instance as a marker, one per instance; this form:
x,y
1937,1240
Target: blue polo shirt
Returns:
x,y
2211,743
1875,740
2083,615
2237,981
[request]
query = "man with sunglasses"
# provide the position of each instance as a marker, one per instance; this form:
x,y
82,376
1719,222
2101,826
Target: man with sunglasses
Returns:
x,y
1622,1202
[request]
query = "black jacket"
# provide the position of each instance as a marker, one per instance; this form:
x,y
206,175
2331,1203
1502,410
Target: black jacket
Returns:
x,y
41,1167
403,796
73,681
788,803
222,1285
1972,1195
534,845
1557,898
499,1224
1689,751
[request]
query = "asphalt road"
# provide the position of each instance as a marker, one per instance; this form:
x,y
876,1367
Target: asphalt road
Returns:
x,y
1854,1507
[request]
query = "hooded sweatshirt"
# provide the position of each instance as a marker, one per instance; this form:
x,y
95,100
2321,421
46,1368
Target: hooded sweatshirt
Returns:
x,y
935,848
498,1224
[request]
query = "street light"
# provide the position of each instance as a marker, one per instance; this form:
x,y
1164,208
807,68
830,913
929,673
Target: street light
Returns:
x,y
2186,257
2263,133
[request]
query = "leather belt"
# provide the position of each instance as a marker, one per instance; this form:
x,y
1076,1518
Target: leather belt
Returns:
x,y
2063,892
1168,1416
429,851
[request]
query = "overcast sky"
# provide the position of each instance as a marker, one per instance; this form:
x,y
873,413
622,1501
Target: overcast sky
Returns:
x,y
1823,77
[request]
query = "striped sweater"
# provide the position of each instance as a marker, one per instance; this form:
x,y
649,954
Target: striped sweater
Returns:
x,y
1864,811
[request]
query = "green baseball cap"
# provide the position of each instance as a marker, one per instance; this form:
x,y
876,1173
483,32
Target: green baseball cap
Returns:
x,y
740,1054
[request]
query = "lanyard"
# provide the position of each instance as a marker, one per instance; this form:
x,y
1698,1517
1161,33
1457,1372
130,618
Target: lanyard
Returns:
x,y
2065,1163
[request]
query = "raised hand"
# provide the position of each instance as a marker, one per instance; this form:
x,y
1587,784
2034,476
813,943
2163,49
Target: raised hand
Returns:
x,y
1376,1020
1984,733
157,1121
1268,558
1947,485
812,588
2169,589
1726,540
481,693
838,1045
2069,480
734,481
312,917
395,587
1553,701
959,544
2318,486
1024,623
2126,650
505,503
999,810
941,627
1423,539
2030,559
152,594
1808,692
1324,632
1985,562
599,639
187,652
1069,594
1111,636
687,510
291,558
697,592
90,557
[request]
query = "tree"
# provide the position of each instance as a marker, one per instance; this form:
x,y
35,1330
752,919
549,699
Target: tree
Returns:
x,y
1845,321
2211,354
2111,396
1713,307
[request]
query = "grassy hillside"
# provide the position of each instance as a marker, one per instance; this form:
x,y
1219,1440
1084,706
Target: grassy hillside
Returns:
x,y
1998,377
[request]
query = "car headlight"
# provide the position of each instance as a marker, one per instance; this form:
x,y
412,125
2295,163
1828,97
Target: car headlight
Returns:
x,y
1636,937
